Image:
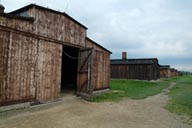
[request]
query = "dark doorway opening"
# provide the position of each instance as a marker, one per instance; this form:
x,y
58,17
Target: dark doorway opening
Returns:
x,y
69,70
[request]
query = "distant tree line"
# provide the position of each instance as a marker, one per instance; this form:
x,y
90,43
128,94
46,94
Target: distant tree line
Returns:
x,y
186,73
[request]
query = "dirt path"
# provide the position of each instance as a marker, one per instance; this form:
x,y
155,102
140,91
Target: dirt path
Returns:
x,y
147,113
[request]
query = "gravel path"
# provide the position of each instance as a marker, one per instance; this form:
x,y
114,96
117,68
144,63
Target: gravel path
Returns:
x,y
147,113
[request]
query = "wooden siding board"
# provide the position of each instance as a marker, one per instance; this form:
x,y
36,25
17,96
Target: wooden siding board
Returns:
x,y
5,86
46,76
30,57
20,82
83,71
24,61
130,71
59,27
50,25
101,67
165,73
2,21
3,65
10,91
18,24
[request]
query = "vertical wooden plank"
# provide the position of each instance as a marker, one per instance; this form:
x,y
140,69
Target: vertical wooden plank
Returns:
x,y
24,54
45,71
105,70
12,73
43,85
4,41
38,71
49,66
101,66
29,68
21,67
1,64
105,67
8,88
52,70
17,57
96,69
33,81
5,63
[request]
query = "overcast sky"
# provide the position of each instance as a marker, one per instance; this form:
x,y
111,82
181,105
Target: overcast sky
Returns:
x,y
143,28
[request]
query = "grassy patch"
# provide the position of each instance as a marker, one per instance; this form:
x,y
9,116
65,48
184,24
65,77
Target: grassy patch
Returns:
x,y
132,89
181,96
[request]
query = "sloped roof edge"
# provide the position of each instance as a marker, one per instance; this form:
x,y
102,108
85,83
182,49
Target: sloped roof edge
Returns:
x,y
134,61
44,8
17,17
165,66
87,38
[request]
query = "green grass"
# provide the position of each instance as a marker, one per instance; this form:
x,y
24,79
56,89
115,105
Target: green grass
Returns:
x,y
132,89
181,96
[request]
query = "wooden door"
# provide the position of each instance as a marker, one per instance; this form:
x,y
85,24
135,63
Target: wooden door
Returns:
x,y
84,78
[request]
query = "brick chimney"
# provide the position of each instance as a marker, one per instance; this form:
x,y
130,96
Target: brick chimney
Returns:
x,y
124,55
2,8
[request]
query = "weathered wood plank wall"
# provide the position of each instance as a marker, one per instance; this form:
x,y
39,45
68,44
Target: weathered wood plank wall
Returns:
x,y
57,26
3,64
16,23
48,24
174,72
101,66
84,79
31,55
142,72
20,62
165,73
48,70
28,65
101,70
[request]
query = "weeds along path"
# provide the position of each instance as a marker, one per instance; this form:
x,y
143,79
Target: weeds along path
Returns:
x,y
147,113
167,90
